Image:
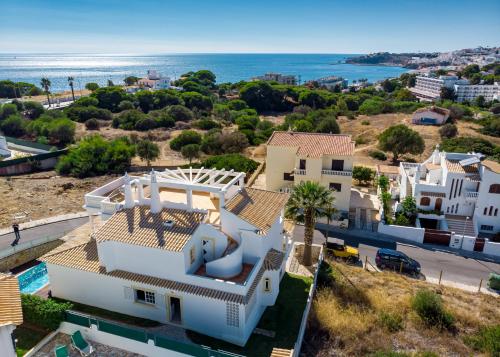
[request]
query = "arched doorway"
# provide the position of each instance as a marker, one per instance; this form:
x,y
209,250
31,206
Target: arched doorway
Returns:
x,y
439,202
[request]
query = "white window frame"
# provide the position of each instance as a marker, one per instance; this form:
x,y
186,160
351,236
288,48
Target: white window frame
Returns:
x,y
149,297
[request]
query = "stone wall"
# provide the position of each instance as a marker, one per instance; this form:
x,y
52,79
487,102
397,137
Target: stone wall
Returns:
x,y
19,258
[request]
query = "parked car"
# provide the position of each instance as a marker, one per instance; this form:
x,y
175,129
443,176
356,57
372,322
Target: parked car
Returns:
x,y
392,259
342,251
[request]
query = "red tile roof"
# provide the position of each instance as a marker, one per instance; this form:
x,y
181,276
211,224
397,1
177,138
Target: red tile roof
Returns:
x,y
314,144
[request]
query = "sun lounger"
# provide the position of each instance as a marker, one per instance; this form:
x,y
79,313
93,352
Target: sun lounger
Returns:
x,y
81,345
61,351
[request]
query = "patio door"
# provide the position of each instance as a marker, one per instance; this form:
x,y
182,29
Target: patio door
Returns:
x,y
174,306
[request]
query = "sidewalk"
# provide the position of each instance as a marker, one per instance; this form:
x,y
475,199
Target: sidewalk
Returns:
x,y
44,221
378,237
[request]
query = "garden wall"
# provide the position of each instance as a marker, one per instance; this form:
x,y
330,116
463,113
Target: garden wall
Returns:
x,y
409,233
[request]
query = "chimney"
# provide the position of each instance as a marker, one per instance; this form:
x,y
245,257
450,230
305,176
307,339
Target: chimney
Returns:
x,y
129,199
155,194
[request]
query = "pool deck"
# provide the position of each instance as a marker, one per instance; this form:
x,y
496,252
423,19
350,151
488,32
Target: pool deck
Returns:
x,y
43,292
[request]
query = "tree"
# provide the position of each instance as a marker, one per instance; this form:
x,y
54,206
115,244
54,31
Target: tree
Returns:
x,y
404,94
180,113
447,93
480,101
131,80
328,125
308,202
185,138
71,85
147,151
303,126
312,99
236,162
14,125
470,70
190,152
109,97
448,131
45,83
91,86
364,175
399,139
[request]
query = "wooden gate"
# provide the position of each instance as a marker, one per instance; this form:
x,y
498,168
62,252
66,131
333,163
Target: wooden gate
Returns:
x,y
479,245
436,236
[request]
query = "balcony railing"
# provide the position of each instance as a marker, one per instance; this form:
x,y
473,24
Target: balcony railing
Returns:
x,y
472,195
299,172
336,173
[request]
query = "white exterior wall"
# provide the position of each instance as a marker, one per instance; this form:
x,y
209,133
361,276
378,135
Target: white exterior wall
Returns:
x,y
6,345
201,314
486,200
409,233
491,248
278,161
471,92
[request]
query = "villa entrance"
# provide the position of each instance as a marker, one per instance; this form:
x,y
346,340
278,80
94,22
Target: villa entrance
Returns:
x,y
174,304
438,204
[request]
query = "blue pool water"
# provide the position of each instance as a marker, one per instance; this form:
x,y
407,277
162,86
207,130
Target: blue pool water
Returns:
x,y
33,279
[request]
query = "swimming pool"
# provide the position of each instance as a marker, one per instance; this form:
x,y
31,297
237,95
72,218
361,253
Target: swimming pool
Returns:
x,y
33,279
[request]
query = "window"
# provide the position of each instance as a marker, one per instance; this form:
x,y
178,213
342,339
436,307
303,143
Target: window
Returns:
x,y
267,285
335,186
287,176
495,188
485,227
147,297
425,201
485,212
302,164
491,211
496,212
338,165
232,314
192,254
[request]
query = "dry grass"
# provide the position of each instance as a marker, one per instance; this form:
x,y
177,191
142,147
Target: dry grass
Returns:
x,y
359,312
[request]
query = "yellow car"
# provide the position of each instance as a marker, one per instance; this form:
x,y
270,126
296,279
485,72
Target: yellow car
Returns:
x,y
342,251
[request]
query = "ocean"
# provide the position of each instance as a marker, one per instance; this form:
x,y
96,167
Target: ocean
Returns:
x,y
100,68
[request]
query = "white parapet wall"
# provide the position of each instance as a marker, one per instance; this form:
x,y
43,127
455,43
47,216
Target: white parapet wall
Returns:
x,y
491,248
409,233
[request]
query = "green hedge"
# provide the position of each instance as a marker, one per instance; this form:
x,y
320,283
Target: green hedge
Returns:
x,y
47,314
494,281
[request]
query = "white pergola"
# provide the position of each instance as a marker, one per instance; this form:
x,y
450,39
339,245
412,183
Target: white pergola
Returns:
x,y
216,182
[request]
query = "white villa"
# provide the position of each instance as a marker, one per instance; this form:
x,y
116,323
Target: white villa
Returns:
x,y
154,80
465,188
189,247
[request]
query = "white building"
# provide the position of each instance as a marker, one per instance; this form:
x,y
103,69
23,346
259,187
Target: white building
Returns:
x,y
430,116
463,188
277,77
190,247
11,313
429,89
467,92
154,81
331,82
4,150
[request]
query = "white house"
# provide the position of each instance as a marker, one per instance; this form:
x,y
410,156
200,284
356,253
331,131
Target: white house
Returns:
x,y
277,77
190,247
11,313
465,189
154,80
4,150
430,116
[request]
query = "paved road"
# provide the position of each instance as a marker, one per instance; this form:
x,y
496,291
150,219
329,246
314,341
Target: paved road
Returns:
x,y
455,268
57,229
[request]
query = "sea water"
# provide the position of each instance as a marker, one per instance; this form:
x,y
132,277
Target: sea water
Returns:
x,y
100,68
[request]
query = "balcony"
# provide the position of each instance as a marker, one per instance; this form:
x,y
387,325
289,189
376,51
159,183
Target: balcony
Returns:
x,y
336,173
299,172
471,195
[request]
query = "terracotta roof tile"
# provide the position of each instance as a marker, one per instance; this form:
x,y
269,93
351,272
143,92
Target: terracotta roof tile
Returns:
x,y
314,144
11,311
258,207
492,165
141,227
84,257
454,166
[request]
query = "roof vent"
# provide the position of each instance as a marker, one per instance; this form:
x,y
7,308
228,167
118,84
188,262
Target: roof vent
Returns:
x,y
168,223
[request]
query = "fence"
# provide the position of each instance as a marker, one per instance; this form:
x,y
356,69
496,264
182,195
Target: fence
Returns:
x,y
305,315
144,336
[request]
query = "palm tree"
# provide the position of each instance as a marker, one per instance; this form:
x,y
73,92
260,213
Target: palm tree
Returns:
x,y
45,83
308,201
329,212
71,84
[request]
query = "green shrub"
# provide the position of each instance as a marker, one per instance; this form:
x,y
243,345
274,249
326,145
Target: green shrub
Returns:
x,y
390,321
83,113
96,156
180,113
448,131
92,124
185,138
486,340
429,306
236,162
14,125
377,154
494,281
46,313
365,122
206,124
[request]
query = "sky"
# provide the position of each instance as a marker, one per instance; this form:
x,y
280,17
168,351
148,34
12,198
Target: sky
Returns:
x,y
246,26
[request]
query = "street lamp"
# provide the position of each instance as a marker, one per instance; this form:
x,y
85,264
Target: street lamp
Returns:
x,y
463,232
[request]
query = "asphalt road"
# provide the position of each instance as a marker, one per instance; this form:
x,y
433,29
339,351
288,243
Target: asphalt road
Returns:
x,y
57,229
455,268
